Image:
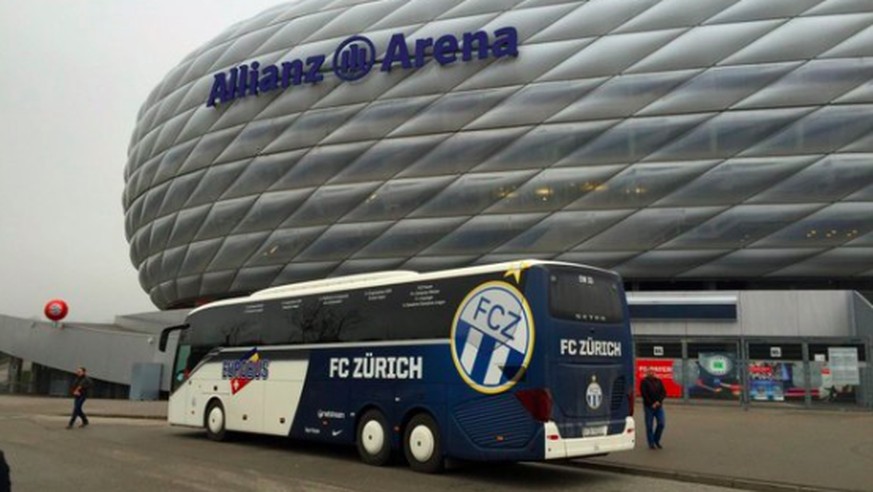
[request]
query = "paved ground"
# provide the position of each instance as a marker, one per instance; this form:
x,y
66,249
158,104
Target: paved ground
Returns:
x,y
146,454
780,448
762,449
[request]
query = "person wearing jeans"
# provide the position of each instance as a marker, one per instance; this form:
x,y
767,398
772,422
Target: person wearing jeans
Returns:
x,y
653,392
81,387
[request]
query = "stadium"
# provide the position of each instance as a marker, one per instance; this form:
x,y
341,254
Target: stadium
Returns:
x,y
716,143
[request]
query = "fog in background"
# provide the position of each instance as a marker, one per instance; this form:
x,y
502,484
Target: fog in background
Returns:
x,y
74,75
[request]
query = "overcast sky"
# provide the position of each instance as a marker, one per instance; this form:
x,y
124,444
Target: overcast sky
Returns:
x,y
74,74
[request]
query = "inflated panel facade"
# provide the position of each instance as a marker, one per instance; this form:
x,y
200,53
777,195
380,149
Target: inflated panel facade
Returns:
x,y
673,139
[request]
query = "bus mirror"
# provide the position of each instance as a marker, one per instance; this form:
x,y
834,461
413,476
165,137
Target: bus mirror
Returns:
x,y
165,336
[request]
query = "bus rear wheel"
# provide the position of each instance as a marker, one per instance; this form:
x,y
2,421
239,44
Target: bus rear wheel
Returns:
x,y
373,439
422,444
215,421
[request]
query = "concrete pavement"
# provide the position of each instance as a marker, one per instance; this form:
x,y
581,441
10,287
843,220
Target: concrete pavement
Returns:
x,y
758,449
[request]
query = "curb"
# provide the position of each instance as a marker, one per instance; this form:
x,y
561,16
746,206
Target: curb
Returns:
x,y
703,478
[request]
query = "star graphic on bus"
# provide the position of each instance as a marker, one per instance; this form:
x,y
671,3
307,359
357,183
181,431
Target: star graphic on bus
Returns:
x,y
516,270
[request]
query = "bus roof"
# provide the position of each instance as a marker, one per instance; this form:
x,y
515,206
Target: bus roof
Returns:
x,y
376,279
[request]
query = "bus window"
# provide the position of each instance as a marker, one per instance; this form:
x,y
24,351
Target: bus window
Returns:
x,y
590,297
182,370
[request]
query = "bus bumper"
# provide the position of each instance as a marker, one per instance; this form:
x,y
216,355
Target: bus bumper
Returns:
x,y
559,448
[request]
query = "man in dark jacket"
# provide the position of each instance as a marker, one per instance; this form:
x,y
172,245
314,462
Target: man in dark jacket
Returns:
x,y
653,393
81,388
5,484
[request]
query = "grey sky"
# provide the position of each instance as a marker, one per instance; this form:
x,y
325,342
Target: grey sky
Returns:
x,y
74,76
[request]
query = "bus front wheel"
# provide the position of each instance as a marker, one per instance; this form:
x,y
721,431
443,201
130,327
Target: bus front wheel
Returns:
x,y
373,439
422,444
215,421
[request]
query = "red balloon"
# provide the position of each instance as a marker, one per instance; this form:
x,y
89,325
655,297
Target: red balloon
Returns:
x,y
56,310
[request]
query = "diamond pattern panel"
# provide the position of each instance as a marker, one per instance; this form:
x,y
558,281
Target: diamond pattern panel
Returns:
x,y
695,139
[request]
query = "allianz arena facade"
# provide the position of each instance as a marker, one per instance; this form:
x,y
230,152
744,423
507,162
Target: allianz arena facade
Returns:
x,y
681,141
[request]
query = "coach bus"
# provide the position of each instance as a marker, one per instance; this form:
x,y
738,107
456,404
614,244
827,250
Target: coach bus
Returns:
x,y
516,361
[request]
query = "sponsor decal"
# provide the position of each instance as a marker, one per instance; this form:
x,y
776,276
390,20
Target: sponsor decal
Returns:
x,y
590,346
381,367
356,56
330,414
594,394
244,370
312,430
492,337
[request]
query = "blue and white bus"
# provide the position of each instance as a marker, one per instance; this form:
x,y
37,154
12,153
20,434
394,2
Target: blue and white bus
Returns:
x,y
520,361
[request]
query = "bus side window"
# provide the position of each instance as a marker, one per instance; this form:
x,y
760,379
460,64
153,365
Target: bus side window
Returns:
x,y
181,366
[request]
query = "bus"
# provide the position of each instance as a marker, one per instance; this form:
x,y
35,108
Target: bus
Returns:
x,y
518,361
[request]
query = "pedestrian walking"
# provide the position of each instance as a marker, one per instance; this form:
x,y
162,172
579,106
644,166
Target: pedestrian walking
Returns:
x,y
653,393
81,388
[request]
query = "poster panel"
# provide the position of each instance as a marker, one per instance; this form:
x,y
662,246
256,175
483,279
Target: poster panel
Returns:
x,y
843,363
772,381
667,370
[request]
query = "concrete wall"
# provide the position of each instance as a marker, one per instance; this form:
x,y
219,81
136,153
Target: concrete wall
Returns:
x,y
800,313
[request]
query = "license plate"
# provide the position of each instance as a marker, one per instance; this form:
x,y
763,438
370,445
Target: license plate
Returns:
x,y
597,431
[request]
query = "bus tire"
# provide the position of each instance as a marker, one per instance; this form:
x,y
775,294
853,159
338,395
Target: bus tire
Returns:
x,y
374,438
214,421
422,444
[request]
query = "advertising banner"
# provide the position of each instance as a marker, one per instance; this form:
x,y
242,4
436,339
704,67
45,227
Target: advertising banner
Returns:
x,y
665,371
771,381
713,375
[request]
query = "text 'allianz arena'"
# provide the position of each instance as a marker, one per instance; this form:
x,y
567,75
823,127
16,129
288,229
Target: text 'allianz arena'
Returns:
x,y
698,140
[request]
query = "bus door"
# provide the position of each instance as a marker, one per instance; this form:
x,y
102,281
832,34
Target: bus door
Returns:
x,y
584,335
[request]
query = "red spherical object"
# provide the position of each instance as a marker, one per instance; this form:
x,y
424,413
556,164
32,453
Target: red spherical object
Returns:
x,y
56,310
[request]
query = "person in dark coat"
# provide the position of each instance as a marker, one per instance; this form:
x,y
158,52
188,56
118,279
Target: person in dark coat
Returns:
x,y
653,393
5,482
81,389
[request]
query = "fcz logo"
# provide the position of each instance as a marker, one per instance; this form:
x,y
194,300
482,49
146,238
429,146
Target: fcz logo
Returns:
x,y
492,337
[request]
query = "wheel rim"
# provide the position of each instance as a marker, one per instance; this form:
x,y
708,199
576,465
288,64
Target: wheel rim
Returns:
x,y
216,420
373,437
421,443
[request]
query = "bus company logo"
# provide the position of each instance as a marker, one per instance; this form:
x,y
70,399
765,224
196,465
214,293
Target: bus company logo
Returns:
x,y
492,337
244,370
354,58
594,394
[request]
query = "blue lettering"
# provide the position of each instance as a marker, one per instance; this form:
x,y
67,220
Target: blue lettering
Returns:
x,y
508,330
445,49
421,47
231,84
479,309
506,43
480,38
491,324
313,73
219,92
253,79
270,79
396,52
292,73
265,369
239,89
